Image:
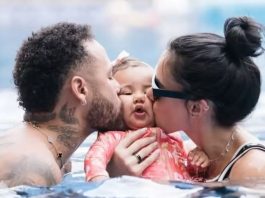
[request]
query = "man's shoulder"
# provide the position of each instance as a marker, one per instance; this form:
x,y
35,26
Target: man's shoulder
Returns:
x,y
24,161
29,170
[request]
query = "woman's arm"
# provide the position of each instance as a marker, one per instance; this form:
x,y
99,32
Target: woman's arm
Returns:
x,y
125,161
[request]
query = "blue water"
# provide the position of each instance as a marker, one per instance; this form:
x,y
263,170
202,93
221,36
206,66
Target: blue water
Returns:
x,y
143,29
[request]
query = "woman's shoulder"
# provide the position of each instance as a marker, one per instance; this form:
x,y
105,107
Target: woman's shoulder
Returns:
x,y
251,165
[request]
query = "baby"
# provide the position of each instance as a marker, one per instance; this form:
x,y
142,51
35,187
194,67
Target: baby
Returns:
x,y
135,78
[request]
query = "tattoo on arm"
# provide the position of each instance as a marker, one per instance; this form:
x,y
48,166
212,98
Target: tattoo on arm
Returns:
x,y
67,114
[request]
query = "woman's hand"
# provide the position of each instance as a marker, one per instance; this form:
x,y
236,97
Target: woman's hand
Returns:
x,y
133,154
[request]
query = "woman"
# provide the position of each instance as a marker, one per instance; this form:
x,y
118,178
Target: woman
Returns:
x,y
204,85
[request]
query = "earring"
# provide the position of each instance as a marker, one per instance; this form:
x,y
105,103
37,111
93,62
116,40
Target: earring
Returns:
x,y
83,103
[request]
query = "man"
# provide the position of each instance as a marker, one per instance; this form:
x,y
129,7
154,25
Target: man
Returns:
x,y
65,86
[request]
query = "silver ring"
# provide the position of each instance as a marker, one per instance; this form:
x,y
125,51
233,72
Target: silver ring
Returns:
x,y
139,159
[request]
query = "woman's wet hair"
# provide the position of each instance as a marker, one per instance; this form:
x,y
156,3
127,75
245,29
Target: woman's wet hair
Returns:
x,y
127,62
221,69
44,62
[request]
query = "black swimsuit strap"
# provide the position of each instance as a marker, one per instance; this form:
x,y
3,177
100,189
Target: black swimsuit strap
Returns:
x,y
241,153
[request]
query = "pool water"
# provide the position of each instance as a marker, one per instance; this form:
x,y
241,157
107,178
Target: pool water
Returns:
x,y
74,185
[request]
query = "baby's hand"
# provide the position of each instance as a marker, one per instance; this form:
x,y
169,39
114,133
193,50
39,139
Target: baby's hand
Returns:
x,y
198,158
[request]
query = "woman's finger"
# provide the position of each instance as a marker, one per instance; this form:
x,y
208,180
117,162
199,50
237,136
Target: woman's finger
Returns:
x,y
146,151
148,161
132,137
140,143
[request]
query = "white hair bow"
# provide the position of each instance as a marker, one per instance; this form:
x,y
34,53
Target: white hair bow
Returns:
x,y
123,55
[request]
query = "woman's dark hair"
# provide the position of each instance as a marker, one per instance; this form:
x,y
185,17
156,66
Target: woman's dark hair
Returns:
x,y
220,69
44,62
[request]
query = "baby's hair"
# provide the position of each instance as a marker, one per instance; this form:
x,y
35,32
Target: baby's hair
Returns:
x,y
128,62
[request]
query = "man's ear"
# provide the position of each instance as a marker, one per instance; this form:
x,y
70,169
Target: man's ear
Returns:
x,y
198,107
79,89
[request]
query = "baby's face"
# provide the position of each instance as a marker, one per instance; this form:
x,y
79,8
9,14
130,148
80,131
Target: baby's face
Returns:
x,y
137,108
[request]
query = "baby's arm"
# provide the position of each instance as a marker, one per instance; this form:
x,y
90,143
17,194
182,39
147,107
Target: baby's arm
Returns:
x,y
99,155
197,157
198,163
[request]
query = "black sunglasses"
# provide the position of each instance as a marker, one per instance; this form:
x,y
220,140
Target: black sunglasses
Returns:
x,y
157,92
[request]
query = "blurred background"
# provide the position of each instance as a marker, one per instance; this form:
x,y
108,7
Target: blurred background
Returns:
x,y
141,27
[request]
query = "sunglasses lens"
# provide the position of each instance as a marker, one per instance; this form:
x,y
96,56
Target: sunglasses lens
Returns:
x,y
158,92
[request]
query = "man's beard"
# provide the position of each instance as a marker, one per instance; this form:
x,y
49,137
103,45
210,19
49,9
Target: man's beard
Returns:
x,y
102,115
